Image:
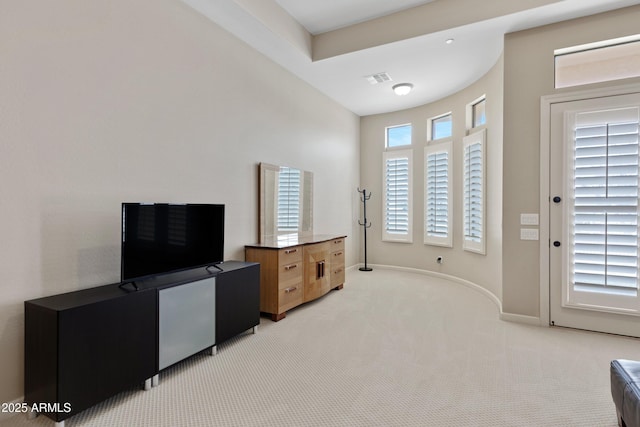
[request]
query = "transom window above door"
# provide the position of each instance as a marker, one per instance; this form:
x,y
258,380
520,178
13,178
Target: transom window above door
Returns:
x,y
602,61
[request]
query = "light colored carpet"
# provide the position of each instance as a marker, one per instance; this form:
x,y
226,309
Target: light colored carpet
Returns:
x,y
390,349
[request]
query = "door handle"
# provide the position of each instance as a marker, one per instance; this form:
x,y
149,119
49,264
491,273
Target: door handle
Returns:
x,y
556,244
320,269
557,199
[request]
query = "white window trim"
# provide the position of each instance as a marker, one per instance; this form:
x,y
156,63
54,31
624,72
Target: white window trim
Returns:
x,y
396,237
445,146
478,137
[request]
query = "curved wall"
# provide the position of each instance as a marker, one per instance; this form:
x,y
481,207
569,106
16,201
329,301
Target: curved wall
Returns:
x,y
483,270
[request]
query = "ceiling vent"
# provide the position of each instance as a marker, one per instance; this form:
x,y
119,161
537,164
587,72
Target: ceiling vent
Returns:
x,y
374,79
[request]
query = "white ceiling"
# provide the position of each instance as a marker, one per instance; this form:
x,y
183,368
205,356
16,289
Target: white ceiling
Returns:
x,y
334,44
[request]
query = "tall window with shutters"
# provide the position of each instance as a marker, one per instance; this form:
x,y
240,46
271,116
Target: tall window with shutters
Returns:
x,y
289,200
437,199
474,198
397,186
604,217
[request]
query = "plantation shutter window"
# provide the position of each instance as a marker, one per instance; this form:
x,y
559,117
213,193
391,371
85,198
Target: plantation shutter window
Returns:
x,y
437,210
604,221
289,199
397,204
473,192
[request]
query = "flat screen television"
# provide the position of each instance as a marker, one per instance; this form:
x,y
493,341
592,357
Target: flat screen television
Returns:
x,y
162,237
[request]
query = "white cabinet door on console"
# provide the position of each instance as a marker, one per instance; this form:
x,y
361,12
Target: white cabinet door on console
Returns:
x,y
187,325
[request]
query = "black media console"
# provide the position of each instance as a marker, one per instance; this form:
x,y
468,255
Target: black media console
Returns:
x,y
85,346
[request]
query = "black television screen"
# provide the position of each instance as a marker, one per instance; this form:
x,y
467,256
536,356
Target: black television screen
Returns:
x,y
162,237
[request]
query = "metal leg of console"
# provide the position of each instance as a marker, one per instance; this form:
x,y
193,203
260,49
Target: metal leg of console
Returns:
x,y
147,384
255,330
155,380
32,415
59,423
214,350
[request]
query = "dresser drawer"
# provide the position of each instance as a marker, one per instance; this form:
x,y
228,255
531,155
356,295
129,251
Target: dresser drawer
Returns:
x,y
337,245
289,297
290,274
337,275
337,268
289,255
337,257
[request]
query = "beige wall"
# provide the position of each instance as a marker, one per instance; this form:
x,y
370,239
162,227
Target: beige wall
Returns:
x,y
483,270
105,102
528,75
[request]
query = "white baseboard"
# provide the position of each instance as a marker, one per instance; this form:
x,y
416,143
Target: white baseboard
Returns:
x,y
509,317
520,318
353,267
455,279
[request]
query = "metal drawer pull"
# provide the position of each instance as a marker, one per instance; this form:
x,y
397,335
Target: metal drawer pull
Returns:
x,y
290,251
337,254
290,267
291,289
338,271
337,241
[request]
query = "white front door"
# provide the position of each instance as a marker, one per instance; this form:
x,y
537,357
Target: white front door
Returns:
x,y
593,214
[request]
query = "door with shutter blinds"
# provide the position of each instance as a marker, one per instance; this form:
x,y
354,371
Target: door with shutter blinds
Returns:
x,y
594,209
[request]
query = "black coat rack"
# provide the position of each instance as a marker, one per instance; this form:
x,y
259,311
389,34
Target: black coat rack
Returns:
x,y
364,197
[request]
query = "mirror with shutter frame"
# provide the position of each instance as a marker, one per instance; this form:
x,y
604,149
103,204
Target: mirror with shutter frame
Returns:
x,y
286,202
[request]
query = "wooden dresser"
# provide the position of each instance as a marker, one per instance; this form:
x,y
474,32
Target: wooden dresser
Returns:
x,y
296,269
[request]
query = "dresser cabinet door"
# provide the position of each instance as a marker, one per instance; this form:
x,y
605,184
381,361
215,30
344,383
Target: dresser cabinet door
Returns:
x,y
317,270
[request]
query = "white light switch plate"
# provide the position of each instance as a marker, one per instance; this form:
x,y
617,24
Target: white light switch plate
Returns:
x,y
528,234
529,219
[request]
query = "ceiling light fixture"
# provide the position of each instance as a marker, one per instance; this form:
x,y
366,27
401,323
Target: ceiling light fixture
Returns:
x,y
402,88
